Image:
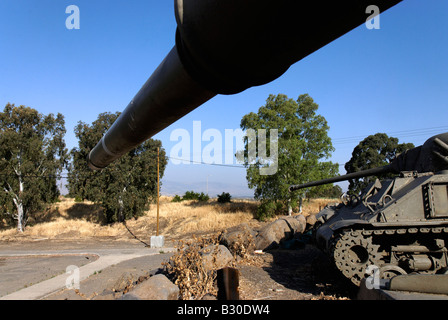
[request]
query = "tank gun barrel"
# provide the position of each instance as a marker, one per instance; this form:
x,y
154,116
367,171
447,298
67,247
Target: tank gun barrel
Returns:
x,y
353,175
432,156
169,94
225,47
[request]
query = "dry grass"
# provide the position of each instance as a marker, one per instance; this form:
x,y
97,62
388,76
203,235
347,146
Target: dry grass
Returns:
x,y
313,206
69,220
192,216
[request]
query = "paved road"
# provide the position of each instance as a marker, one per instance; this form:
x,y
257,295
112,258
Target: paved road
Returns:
x,y
35,270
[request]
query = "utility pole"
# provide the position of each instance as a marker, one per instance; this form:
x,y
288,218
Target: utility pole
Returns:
x,y
158,195
158,241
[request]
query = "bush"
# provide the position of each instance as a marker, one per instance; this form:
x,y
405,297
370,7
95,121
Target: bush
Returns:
x,y
191,195
186,268
269,209
224,197
176,199
203,197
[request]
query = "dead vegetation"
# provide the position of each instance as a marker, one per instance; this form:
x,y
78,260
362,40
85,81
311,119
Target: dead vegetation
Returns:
x,y
187,270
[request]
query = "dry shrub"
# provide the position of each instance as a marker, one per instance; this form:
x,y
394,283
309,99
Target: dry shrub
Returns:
x,y
187,271
242,248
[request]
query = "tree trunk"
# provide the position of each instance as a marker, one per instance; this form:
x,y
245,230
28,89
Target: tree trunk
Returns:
x,y
20,213
20,217
121,217
19,205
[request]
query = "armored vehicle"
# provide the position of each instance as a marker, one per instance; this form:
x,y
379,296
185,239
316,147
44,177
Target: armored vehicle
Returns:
x,y
399,225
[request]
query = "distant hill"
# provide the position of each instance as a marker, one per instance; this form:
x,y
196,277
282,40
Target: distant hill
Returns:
x,y
171,188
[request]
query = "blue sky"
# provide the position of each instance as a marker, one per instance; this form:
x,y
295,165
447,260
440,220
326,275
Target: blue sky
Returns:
x,y
391,80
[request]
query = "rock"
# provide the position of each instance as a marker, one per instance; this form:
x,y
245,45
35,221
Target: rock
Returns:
x,y
270,235
297,223
157,287
106,295
311,220
124,281
280,230
213,260
242,234
209,296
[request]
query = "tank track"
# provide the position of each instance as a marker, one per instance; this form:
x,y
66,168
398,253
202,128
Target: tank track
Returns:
x,y
393,250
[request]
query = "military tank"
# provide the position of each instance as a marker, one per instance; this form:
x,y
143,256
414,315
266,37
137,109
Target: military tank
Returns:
x,y
398,225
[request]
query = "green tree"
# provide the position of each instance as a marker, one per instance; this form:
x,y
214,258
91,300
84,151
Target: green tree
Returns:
x,y
374,151
32,154
332,193
126,187
302,144
224,197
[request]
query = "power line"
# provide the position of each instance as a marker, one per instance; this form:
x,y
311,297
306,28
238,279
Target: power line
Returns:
x,y
210,164
402,134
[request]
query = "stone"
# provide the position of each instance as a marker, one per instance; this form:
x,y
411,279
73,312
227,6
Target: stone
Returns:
x,y
124,281
297,223
106,295
271,235
242,234
212,260
311,220
157,287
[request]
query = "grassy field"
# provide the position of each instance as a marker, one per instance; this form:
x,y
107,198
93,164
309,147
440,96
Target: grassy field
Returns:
x,y
68,219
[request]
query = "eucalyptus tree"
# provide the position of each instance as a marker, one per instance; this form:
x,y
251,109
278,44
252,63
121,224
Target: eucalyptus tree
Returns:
x,y
127,186
301,147
32,156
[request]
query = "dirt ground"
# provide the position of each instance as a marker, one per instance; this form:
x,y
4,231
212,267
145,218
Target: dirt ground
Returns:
x,y
298,274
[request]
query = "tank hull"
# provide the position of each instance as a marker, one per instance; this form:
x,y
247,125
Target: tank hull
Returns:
x,y
396,226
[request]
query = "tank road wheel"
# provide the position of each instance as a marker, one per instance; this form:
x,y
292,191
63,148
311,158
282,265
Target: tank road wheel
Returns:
x,y
353,253
389,271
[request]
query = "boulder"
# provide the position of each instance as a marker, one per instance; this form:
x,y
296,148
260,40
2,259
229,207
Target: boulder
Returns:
x,y
296,223
271,235
311,219
242,234
215,257
124,281
157,287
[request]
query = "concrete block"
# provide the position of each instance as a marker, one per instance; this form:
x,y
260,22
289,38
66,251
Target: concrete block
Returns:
x,y
157,241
